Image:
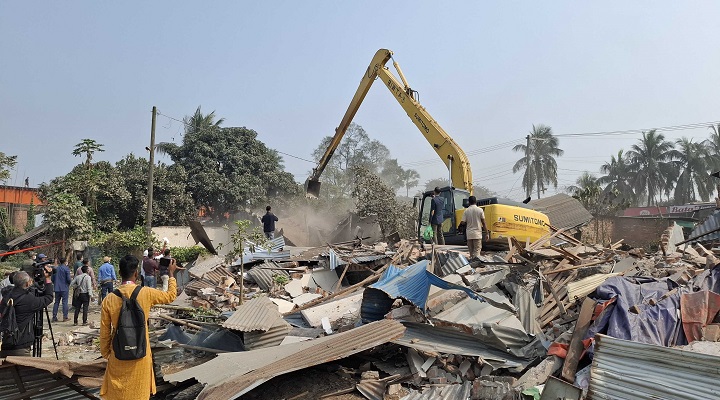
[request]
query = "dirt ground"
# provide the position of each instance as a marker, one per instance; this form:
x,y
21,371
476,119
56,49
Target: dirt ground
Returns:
x,y
84,340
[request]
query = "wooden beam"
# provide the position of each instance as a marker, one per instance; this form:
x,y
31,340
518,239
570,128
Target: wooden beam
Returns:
x,y
590,264
575,349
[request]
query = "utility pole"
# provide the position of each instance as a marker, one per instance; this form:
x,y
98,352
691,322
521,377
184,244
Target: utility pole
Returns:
x,y
148,216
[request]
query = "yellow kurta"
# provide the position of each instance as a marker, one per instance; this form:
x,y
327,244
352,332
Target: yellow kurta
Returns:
x,y
134,379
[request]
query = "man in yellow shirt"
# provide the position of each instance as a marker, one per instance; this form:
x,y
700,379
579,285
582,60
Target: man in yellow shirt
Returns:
x,y
130,379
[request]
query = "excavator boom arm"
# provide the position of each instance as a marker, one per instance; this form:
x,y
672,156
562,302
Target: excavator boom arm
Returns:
x,y
451,154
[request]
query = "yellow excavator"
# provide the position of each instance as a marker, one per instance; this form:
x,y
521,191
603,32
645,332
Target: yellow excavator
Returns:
x,y
504,218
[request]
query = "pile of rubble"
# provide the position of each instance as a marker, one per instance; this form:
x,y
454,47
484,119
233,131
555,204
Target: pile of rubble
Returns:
x,y
541,320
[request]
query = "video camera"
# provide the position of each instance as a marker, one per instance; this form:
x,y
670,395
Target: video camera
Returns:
x,y
39,272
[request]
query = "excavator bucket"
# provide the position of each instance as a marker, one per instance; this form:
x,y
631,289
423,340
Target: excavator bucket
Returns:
x,y
312,188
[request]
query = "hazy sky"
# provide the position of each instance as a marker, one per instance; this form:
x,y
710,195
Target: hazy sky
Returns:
x,y
485,71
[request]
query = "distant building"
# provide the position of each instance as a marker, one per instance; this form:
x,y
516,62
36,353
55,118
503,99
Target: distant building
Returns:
x,y
16,200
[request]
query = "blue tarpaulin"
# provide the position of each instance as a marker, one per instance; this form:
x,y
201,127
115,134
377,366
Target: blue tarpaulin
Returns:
x,y
633,317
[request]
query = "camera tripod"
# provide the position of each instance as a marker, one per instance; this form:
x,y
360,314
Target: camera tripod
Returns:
x,y
38,331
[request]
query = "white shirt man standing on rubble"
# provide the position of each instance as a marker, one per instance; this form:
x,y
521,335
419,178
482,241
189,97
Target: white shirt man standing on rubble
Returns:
x,y
475,227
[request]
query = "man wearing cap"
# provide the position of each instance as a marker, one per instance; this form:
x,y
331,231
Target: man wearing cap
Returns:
x,y
107,277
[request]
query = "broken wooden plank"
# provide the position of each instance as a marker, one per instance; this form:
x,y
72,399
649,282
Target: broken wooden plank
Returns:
x,y
590,264
575,349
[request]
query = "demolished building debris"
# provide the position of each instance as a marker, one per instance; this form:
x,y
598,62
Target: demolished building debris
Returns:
x,y
556,317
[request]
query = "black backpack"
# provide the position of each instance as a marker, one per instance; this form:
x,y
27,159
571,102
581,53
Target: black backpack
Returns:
x,y
129,342
10,333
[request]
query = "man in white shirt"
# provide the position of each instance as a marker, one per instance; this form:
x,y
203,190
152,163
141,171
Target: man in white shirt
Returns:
x,y
475,227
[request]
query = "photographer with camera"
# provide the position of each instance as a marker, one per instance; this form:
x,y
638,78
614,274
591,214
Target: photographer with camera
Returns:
x,y
26,305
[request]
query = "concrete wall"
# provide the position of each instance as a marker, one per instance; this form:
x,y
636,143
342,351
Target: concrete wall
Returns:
x,y
179,236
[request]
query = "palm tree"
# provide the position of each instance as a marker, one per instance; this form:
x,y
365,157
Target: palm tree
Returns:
x,y
651,163
193,124
88,147
617,177
693,161
199,122
539,160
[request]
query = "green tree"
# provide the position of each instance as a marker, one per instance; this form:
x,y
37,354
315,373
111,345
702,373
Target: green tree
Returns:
x,y
589,192
617,178
652,167
67,217
172,204
436,182
87,147
244,232
356,150
694,180
538,161
231,169
7,163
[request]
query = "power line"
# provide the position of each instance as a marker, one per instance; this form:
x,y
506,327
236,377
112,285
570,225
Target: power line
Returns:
x,y
204,130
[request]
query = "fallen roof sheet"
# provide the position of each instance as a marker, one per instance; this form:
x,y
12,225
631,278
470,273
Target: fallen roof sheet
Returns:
x,y
264,276
704,232
629,370
449,392
253,368
49,379
258,314
205,265
200,236
579,289
271,337
450,262
413,283
28,236
564,211
452,341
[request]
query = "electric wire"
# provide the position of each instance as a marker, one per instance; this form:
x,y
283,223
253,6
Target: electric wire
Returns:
x,y
203,130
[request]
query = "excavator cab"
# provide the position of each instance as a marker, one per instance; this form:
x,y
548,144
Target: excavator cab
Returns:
x,y
454,200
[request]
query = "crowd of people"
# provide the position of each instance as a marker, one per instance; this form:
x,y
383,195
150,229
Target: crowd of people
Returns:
x,y
26,292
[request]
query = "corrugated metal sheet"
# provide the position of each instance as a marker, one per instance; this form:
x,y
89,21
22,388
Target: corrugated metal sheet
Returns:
x,y
264,276
711,223
38,378
448,392
258,314
564,211
579,289
293,357
195,286
629,370
375,304
451,341
450,262
218,275
413,283
205,265
28,236
272,337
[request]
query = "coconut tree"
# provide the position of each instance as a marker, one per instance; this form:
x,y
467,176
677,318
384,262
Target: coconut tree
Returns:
x,y
88,147
196,123
617,177
651,163
538,160
694,179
